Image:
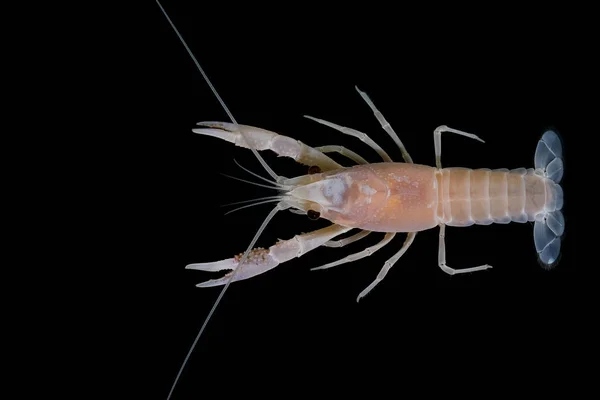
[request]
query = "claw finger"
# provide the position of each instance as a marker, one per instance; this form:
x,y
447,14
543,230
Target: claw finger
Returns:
x,y
220,125
216,282
240,135
218,133
222,265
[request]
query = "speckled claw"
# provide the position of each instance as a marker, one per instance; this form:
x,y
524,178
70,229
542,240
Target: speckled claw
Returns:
x,y
259,260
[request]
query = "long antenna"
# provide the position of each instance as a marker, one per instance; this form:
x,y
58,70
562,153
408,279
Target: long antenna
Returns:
x,y
264,224
260,159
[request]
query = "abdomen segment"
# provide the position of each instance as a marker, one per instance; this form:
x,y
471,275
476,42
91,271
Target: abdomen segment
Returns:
x,y
483,196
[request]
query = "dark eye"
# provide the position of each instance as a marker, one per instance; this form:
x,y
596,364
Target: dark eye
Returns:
x,y
313,214
314,170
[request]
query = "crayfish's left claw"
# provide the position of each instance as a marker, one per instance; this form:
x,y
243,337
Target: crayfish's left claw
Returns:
x,y
259,260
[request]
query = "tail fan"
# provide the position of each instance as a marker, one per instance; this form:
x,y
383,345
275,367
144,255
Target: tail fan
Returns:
x,y
550,227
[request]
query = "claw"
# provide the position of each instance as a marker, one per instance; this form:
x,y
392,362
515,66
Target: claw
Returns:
x,y
261,260
260,139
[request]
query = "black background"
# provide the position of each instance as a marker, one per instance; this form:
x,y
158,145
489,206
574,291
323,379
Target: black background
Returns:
x,y
505,81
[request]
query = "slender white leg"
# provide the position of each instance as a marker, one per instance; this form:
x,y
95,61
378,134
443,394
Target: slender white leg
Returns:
x,y
348,240
357,134
437,141
388,265
442,257
343,151
361,254
386,126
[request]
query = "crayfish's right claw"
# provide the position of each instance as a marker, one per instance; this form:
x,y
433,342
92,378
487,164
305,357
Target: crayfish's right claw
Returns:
x,y
259,260
221,130
261,139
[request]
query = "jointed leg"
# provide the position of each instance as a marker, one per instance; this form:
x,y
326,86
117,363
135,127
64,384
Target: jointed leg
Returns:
x,y
362,254
357,134
343,151
442,257
386,126
348,240
261,139
437,141
388,265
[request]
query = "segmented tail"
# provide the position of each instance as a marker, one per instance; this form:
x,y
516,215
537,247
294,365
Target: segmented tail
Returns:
x,y
550,225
